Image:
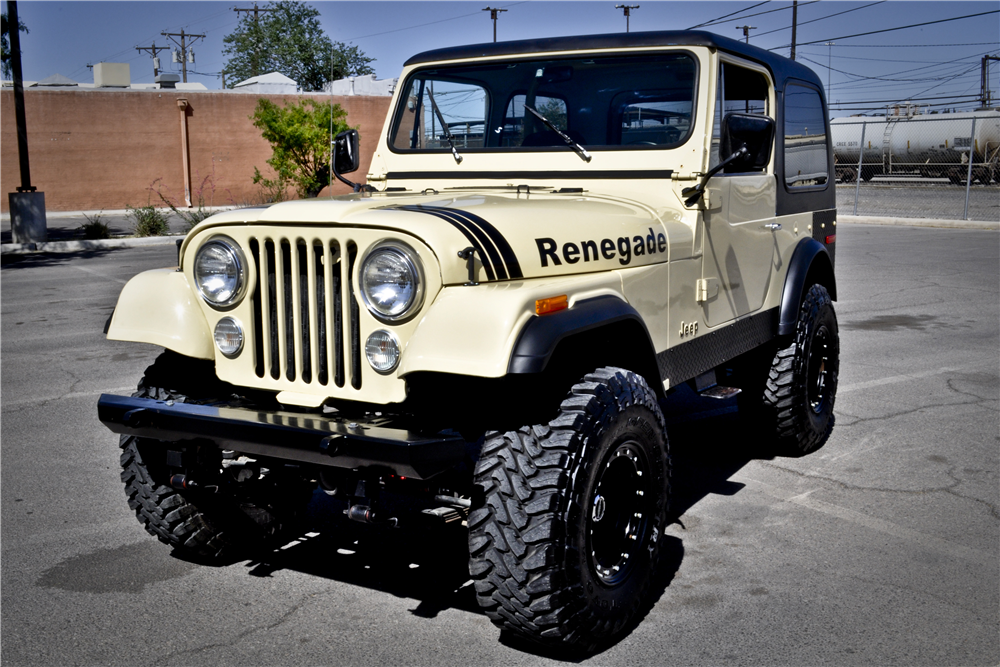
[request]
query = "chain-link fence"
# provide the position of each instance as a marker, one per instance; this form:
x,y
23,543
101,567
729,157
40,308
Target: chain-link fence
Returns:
x,y
919,165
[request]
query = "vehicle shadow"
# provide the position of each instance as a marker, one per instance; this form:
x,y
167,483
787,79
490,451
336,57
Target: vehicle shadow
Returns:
x,y
428,562
48,259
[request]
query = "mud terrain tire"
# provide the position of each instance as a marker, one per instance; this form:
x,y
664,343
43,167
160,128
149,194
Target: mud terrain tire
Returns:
x,y
566,540
802,383
204,524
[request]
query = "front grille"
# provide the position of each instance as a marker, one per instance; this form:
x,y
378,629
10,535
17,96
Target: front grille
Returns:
x,y
302,331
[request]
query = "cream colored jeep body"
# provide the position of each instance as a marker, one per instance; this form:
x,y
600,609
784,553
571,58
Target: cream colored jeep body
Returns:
x,y
495,257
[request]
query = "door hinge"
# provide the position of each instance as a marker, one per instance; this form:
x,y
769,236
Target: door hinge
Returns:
x,y
705,289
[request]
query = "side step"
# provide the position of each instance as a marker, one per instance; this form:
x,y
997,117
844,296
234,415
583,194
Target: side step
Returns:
x,y
721,392
706,385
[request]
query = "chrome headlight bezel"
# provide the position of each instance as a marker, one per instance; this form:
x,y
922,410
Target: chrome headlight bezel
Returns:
x,y
238,260
411,260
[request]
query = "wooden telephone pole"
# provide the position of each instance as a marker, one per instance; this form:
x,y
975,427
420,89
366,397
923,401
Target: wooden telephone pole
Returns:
x,y
255,63
185,48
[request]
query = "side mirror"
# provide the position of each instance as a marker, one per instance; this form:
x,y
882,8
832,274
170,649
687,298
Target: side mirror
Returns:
x,y
750,130
346,153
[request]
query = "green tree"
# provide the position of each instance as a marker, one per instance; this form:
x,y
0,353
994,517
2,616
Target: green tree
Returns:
x,y
289,39
5,54
299,134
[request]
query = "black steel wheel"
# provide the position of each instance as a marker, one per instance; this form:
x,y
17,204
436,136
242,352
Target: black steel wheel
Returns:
x,y
565,539
802,383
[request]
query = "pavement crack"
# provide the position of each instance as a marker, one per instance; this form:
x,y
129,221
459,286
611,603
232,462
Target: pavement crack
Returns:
x,y
893,415
165,659
949,489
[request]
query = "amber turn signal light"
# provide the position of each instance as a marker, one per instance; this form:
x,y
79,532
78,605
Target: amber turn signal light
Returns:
x,y
551,305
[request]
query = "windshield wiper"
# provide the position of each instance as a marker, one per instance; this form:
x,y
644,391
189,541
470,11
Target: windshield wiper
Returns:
x,y
580,150
444,126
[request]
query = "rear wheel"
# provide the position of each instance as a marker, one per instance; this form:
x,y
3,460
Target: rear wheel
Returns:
x,y
788,393
566,539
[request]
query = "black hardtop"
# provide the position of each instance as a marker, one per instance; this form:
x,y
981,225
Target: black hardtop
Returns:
x,y
781,68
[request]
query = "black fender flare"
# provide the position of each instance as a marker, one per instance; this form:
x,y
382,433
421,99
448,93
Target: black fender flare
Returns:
x,y
541,335
810,263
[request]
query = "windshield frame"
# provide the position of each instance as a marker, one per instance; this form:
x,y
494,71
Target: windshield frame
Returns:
x,y
450,71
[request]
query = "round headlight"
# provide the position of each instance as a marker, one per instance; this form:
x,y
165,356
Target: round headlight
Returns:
x,y
220,271
229,336
382,351
390,282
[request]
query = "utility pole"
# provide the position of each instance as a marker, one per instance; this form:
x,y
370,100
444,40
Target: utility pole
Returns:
x,y
255,65
746,31
153,50
795,25
829,68
985,94
628,12
494,14
27,205
187,55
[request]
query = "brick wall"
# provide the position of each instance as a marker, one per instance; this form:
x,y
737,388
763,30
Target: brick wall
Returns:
x,y
97,149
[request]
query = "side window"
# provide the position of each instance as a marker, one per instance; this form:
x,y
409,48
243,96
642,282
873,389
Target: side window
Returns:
x,y
435,108
741,90
806,159
520,124
651,117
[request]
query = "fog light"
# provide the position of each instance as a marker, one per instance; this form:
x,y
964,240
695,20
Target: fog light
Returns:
x,y
382,351
229,336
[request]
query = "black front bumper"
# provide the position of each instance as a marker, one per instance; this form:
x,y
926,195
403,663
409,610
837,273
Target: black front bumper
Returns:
x,y
285,435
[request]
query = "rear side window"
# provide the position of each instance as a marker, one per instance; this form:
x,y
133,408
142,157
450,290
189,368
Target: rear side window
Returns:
x,y
806,158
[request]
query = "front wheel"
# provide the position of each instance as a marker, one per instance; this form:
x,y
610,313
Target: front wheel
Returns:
x,y
567,538
229,513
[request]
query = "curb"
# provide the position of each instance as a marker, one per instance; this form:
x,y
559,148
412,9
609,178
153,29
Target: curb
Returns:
x,y
78,246
918,222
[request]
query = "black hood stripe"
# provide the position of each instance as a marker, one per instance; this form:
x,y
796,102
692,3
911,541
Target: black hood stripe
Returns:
x,y
469,235
509,258
456,218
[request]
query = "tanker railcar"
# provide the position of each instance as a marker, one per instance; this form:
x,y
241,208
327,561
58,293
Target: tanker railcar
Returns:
x,y
907,143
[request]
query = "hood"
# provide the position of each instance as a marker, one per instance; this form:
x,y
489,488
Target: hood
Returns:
x,y
513,235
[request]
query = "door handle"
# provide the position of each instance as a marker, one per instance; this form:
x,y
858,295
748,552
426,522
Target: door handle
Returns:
x,y
773,226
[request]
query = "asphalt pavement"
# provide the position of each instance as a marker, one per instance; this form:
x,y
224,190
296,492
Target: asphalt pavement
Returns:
x,y
881,548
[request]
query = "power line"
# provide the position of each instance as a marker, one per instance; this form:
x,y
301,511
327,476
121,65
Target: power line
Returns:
x,y
882,78
911,46
904,27
421,25
701,25
821,18
908,99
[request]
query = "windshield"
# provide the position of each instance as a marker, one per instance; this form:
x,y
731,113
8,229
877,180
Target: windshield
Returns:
x,y
600,102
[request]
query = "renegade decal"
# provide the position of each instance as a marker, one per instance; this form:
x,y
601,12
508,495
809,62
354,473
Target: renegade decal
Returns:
x,y
624,248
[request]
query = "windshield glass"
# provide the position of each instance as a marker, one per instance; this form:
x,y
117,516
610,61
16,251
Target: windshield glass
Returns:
x,y
609,102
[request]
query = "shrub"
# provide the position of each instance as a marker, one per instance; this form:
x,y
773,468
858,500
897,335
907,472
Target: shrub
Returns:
x,y
148,220
192,217
94,229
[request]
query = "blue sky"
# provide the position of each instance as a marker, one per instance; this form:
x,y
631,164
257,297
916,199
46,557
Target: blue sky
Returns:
x,y
939,63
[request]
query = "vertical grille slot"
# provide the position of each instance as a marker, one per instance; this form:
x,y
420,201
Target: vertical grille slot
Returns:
x,y
306,320
257,324
353,319
317,298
